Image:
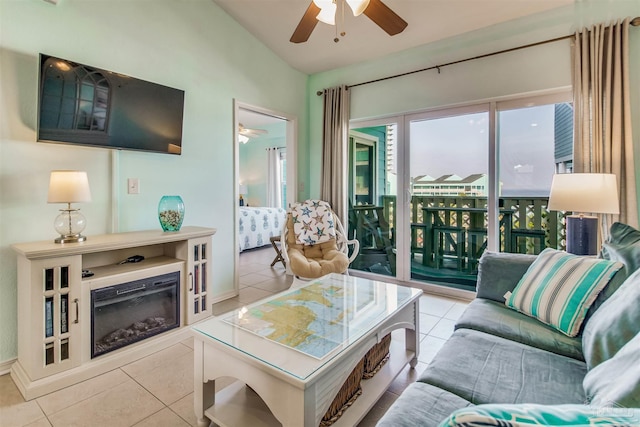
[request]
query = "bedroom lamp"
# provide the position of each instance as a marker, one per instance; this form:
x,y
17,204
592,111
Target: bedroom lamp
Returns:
x,y
582,193
242,190
69,187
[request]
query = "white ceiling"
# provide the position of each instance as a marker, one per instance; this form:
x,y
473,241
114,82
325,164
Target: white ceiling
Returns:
x,y
255,120
273,22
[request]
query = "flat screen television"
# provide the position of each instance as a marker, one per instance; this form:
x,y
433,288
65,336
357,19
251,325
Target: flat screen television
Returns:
x,y
79,104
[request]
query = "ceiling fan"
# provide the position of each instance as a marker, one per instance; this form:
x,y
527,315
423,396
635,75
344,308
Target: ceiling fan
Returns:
x,y
325,11
245,133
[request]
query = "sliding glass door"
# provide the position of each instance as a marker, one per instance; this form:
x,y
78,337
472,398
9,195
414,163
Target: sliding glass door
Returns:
x,y
372,195
448,168
536,141
430,192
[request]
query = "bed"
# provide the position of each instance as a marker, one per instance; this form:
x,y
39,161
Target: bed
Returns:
x,y
256,225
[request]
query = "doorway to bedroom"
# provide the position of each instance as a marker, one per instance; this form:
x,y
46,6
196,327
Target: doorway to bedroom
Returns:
x,y
265,186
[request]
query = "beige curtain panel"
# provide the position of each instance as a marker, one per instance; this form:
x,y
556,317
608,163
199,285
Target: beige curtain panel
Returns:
x,y
602,112
335,140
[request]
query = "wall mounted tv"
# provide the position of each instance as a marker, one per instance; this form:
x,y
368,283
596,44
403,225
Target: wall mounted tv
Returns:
x,y
79,104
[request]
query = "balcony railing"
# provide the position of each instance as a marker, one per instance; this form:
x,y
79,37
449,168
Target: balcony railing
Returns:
x,y
528,226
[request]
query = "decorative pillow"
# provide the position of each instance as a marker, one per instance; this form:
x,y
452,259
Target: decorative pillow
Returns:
x,y
616,382
518,415
613,324
313,222
623,244
558,288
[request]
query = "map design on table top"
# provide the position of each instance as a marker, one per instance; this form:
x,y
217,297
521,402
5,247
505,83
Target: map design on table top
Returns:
x,y
314,320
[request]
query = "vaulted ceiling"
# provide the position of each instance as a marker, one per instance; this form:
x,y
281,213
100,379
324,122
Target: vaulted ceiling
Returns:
x,y
273,22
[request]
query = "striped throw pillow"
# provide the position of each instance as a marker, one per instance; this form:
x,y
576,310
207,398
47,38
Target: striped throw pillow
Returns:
x,y
558,288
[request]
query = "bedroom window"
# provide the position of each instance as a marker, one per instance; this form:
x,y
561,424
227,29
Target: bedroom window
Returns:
x,y
283,177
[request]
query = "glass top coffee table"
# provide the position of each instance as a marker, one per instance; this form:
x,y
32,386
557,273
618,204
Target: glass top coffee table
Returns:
x,y
295,349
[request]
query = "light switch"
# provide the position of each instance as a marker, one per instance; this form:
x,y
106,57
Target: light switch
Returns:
x,y
133,186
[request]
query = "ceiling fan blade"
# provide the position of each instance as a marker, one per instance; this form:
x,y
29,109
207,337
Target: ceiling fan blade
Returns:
x,y
386,18
306,25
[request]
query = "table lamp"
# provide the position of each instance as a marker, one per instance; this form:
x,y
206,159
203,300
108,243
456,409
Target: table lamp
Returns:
x,y
582,193
242,190
69,187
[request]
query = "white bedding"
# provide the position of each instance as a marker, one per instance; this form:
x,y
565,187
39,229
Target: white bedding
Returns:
x,y
256,225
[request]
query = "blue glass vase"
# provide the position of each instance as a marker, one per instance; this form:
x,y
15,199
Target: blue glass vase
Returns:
x,y
171,213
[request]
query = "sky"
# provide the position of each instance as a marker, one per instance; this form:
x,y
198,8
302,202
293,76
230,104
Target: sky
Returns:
x,y
459,145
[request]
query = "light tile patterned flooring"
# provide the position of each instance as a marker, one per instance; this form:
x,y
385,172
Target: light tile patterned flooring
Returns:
x,y
158,389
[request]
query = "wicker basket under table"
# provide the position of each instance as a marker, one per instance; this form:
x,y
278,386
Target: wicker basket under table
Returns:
x,y
376,357
348,393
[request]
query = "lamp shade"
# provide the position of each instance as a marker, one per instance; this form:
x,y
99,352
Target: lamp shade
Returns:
x,y
68,187
358,6
584,193
242,189
327,12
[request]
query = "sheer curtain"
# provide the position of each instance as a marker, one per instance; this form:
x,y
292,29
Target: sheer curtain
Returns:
x,y
602,113
334,149
274,189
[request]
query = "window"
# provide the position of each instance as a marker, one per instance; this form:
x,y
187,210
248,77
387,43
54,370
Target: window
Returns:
x,y
364,173
283,176
477,175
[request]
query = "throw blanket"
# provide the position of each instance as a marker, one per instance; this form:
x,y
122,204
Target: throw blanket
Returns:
x,y
313,222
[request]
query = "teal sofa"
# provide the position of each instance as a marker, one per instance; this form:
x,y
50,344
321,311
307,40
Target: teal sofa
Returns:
x,y
502,367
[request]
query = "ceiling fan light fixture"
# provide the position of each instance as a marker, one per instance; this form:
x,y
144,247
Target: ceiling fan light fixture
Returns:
x,y
327,13
358,6
243,138
322,4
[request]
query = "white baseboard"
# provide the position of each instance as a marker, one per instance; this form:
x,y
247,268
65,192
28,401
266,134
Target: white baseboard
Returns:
x,y
5,366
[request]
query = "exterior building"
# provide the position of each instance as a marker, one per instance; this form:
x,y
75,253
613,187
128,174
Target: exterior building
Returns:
x,y
474,185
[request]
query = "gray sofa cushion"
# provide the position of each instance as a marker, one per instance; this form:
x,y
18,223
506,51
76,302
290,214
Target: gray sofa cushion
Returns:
x,y
483,368
616,382
613,324
497,319
421,405
499,273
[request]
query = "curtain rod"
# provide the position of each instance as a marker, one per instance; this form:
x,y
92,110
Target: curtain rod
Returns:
x,y
635,22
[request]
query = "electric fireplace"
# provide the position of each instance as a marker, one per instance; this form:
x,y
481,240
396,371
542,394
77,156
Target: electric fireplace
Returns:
x,y
130,312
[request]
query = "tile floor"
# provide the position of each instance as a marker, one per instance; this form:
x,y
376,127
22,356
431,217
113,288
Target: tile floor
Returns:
x,y
158,390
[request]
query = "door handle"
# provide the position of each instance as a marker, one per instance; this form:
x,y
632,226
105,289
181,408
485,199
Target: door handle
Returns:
x,y
77,303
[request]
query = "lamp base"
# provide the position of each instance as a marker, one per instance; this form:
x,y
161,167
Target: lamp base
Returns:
x,y
71,238
582,235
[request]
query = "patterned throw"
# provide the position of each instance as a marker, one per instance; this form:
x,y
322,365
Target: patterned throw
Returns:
x,y
558,288
313,222
522,415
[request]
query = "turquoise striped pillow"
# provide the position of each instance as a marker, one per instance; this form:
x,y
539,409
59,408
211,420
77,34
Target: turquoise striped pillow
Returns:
x,y
558,288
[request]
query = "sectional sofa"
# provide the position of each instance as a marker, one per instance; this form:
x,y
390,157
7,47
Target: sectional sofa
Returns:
x,y
508,364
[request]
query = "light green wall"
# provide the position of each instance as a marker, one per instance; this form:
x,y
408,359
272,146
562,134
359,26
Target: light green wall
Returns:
x,y
188,44
535,69
253,162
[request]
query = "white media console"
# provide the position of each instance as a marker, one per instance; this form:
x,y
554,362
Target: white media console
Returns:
x,y
56,307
